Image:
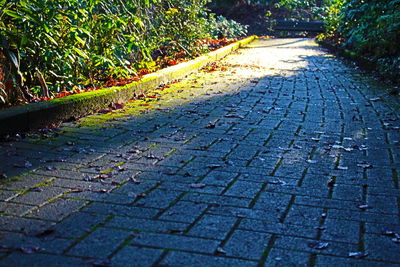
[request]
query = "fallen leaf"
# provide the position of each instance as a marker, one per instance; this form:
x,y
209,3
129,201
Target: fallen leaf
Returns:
x,y
214,166
220,250
103,111
364,207
197,185
342,168
396,239
374,99
278,181
133,180
134,151
36,189
234,116
98,262
388,233
76,190
132,195
29,249
116,106
103,191
364,165
101,176
121,169
229,162
211,125
141,195
54,160
174,231
151,156
358,254
26,164
331,182
87,179
318,245
45,233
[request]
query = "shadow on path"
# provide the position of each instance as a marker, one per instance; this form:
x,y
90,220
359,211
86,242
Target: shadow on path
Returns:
x,y
280,155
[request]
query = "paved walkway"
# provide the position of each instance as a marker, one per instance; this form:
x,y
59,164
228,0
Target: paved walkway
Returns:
x,y
279,155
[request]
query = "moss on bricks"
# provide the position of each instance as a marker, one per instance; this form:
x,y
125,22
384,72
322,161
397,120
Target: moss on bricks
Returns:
x,y
36,115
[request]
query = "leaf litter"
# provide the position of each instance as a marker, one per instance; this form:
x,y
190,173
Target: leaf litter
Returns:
x,y
358,254
197,185
395,236
318,245
364,207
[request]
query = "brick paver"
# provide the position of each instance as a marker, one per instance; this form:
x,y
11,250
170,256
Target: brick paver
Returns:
x,y
279,155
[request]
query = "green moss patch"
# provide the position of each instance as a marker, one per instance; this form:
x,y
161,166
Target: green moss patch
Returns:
x,y
36,115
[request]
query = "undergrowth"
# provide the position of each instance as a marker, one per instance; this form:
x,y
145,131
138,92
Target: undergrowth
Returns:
x,y
54,48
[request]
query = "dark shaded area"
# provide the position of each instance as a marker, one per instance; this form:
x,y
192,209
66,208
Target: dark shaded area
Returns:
x,y
258,23
298,26
247,179
265,19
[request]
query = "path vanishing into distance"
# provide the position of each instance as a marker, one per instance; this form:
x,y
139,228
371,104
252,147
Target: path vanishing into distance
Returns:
x,y
278,155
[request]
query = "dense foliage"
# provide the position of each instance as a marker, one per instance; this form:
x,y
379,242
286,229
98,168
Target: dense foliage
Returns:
x,y
303,9
369,28
49,46
276,9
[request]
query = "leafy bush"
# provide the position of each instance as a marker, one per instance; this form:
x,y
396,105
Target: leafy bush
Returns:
x,y
303,9
332,18
221,27
47,47
64,43
371,29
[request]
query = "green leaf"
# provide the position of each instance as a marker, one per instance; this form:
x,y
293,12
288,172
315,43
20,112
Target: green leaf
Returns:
x,y
13,58
24,40
51,39
82,42
80,52
13,14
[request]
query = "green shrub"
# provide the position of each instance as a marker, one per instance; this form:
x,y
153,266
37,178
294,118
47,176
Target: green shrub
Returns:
x,y
332,18
221,27
69,42
370,29
50,46
303,9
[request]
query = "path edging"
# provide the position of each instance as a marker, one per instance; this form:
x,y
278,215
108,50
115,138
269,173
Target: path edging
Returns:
x,y
37,115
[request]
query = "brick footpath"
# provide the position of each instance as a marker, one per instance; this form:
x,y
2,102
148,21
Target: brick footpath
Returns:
x,y
279,155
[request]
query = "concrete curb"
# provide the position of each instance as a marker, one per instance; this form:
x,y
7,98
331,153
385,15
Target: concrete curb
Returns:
x,y
36,115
